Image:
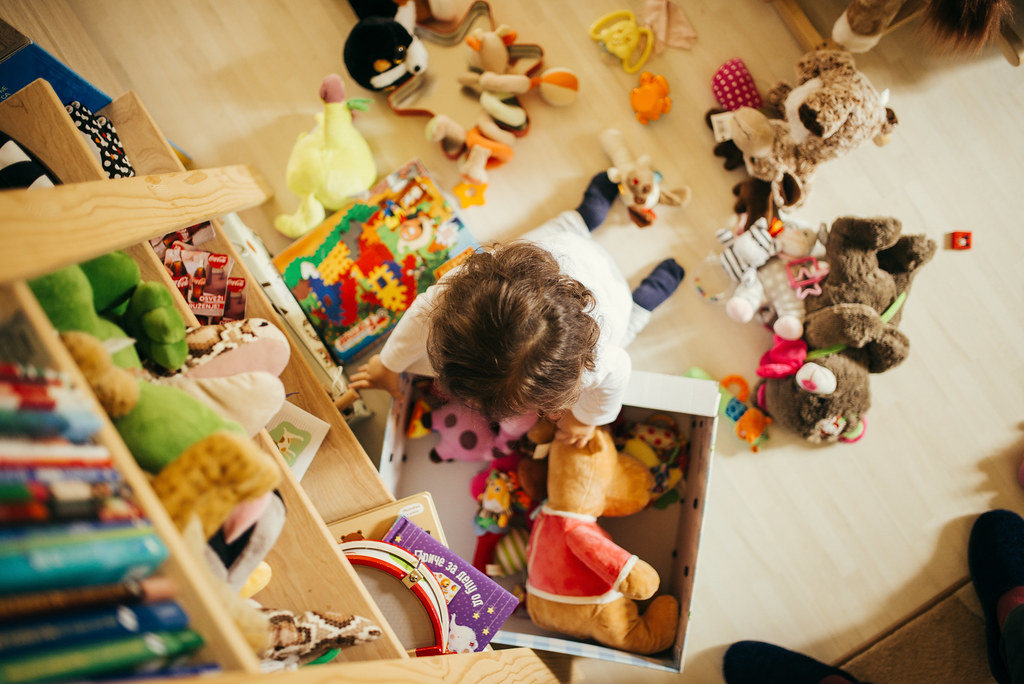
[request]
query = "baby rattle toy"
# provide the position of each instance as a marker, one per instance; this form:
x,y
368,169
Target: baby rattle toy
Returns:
x,y
619,35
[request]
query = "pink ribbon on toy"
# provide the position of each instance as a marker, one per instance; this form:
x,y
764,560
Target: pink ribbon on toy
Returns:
x,y
783,359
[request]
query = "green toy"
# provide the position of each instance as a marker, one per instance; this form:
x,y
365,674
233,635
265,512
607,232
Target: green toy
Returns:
x,y
328,165
106,298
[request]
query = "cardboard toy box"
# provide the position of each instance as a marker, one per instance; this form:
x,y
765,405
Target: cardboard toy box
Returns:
x,y
692,403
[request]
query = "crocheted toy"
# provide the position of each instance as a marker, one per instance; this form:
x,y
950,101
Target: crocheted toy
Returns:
x,y
832,110
496,78
639,184
580,582
329,164
466,435
819,386
949,24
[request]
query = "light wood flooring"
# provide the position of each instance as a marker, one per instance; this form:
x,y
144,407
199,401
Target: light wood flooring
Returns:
x,y
817,549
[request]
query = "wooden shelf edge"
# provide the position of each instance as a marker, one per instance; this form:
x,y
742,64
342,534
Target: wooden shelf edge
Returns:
x,y
519,665
83,220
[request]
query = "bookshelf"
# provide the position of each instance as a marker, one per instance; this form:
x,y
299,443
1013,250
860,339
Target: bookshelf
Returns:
x,y
42,230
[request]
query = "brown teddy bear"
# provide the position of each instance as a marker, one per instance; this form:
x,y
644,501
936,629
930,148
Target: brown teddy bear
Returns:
x,y
850,329
831,111
579,582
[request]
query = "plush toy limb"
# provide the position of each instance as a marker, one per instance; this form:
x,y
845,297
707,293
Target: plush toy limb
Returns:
x,y
310,633
452,137
116,389
617,624
746,299
851,324
211,477
502,111
489,129
156,325
862,24
308,216
250,620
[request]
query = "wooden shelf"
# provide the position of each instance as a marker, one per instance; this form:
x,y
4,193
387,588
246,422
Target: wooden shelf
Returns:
x,y
309,570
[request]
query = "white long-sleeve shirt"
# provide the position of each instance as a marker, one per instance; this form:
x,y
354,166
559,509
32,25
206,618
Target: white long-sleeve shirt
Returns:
x,y
567,238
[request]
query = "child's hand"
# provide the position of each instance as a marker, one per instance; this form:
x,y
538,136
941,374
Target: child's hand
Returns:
x,y
375,375
572,431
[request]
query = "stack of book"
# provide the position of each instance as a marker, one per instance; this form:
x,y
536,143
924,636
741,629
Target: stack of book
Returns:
x,y
79,597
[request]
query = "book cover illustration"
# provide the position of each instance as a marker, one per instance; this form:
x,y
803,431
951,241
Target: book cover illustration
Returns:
x,y
477,605
356,273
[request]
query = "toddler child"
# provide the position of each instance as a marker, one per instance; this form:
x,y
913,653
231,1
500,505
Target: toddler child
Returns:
x,y
536,325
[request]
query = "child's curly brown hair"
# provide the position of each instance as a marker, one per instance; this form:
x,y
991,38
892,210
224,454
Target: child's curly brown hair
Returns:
x,y
511,334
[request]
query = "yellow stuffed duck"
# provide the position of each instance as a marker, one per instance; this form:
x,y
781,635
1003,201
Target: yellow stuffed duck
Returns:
x,y
329,164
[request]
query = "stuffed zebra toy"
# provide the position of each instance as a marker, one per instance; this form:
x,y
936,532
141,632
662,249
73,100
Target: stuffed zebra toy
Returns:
x,y
756,260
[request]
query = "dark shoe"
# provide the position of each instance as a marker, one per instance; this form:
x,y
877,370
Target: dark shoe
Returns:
x,y
755,662
995,556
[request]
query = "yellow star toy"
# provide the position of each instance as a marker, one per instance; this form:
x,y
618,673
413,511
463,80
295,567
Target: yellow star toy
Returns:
x,y
470,193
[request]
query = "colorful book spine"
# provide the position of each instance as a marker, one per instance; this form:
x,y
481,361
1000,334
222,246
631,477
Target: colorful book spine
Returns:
x,y
21,476
66,500
53,601
94,559
21,452
81,661
111,622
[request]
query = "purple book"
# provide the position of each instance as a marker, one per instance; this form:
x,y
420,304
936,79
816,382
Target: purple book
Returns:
x,y
477,605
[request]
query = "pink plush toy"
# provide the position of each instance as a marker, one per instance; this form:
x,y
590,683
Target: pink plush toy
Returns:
x,y
466,435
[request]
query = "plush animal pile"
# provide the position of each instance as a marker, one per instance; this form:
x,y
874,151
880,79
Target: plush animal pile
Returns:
x,y
831,110
819,386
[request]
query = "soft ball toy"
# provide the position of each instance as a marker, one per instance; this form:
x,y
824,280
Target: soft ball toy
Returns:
x,y
328,165
820,389
580,582
832,110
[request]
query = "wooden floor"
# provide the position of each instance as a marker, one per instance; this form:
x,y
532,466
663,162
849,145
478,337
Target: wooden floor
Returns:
x,y
817,549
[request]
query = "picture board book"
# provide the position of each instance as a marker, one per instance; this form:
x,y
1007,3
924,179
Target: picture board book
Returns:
x,y
358,272
477,605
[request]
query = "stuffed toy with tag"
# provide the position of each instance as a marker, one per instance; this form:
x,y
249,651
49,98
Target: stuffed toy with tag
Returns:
x,y
832,110
579,581
818,386
328,165
640,186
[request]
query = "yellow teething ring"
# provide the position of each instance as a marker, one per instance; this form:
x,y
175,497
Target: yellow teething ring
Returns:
x,y
648,34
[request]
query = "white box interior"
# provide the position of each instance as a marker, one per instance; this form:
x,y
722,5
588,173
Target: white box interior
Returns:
x,y
693,404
